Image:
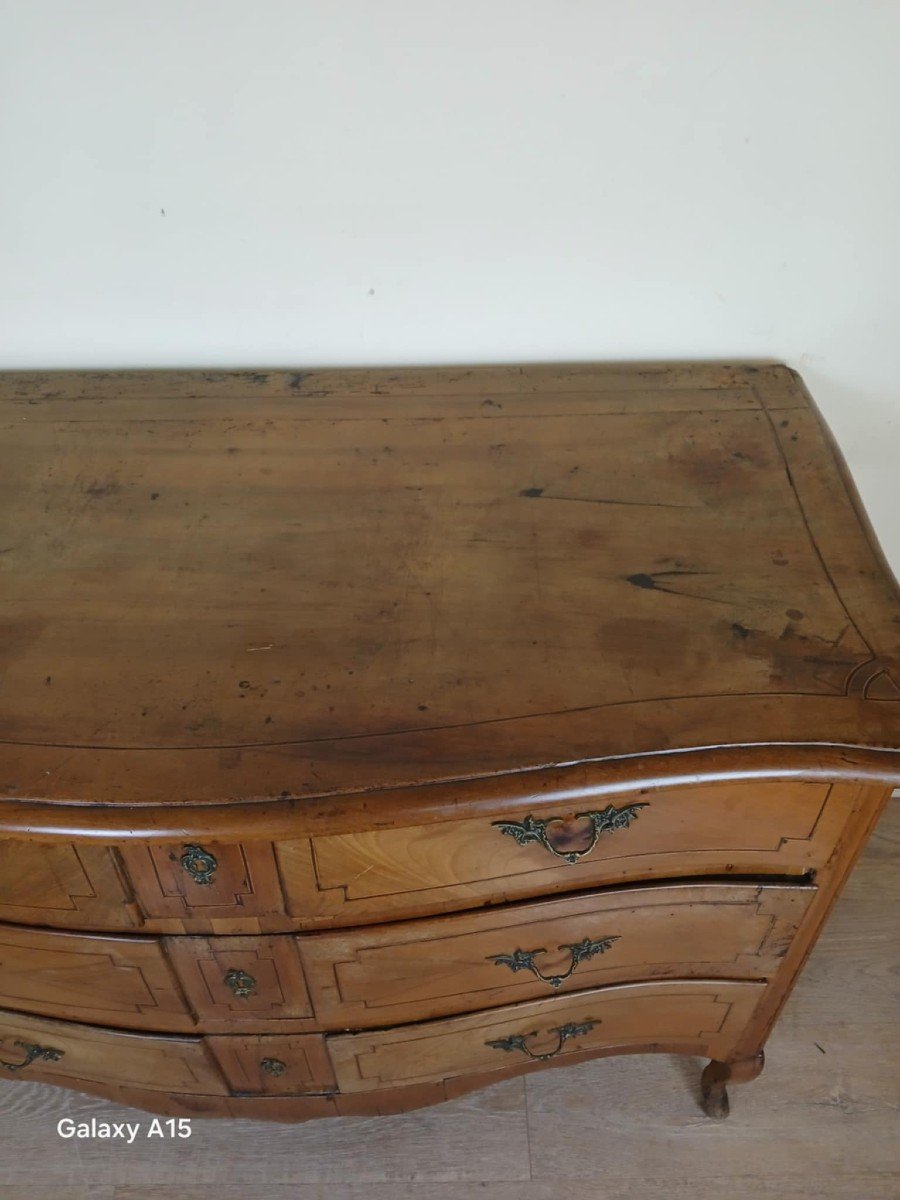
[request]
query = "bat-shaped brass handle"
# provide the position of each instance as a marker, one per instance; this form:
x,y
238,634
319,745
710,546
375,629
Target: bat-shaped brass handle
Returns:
x,y
33,1053
517,1041
579,952
537,829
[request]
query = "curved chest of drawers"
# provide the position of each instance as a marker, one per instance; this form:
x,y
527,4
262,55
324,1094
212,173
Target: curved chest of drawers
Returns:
x,y
386,781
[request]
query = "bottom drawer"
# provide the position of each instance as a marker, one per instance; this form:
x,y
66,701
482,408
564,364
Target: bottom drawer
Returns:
x,y
68,1053
211,1074
106,1060
681,1016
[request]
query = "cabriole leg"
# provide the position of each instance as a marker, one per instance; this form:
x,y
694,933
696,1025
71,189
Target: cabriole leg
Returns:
x,y
715,1077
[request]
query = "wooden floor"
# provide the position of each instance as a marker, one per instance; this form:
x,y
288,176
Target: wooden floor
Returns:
x,y
821,1123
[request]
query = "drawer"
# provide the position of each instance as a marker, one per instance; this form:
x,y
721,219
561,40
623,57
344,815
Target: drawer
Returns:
x,y
182,984
196,883
274,1064
243,984
64,885
104,1059
346,879
68,1053
692,1017
401,972
413,970
744,829
109,980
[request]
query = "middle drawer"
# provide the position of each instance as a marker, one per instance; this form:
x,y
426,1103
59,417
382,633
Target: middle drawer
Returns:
x,y
403,971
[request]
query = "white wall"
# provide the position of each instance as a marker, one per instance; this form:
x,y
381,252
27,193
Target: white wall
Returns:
x,y
280,182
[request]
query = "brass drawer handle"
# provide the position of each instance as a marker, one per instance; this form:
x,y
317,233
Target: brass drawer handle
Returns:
x,y
534,829
273,1066
517,1041
523,960
199,864
241,983
32,1054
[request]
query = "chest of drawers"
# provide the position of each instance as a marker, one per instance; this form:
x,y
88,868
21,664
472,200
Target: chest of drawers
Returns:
x,y
369,736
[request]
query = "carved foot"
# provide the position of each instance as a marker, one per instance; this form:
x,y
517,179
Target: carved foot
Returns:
x,y
717,1074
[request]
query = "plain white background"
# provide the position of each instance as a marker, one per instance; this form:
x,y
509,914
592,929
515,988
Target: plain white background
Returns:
x,y
290,183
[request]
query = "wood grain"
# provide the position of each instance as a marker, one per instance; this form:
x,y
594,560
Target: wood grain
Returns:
x,y
196,605
118,981
105,1058
270,988
64,884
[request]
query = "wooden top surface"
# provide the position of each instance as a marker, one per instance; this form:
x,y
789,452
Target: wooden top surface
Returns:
x,y
221,586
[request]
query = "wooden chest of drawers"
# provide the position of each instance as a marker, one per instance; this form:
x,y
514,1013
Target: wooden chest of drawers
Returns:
x,y
368,736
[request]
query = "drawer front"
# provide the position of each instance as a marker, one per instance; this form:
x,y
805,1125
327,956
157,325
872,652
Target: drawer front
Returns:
x,y
193,882
415,970
121,981
274,1065
64,885
182,984
340,880
236,983
64,1052
697,1016
743,829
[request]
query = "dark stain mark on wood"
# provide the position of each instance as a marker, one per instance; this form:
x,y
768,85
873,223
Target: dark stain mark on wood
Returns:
x,y
741,630
97,490
651,583
605,500
532,493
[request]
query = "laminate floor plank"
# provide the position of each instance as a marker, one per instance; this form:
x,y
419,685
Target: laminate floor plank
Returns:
x,y
820,1123
852,1187
479,1138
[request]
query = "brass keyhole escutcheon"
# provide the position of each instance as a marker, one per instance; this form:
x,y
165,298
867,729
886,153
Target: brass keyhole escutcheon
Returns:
x,y
199,864
241,984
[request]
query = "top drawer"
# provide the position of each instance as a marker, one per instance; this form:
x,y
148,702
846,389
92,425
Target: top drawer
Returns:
x,y
419,870
740,829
